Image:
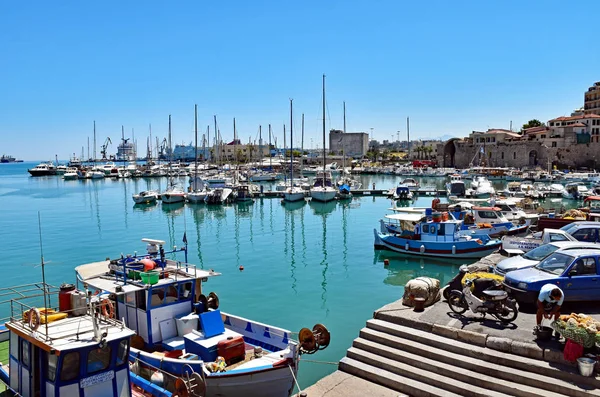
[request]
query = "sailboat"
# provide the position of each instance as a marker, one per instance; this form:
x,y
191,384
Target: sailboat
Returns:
x,y
292,193
174,193
197,186
323,189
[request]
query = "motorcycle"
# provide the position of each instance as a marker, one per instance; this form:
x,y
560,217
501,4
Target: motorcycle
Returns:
x,y
485,301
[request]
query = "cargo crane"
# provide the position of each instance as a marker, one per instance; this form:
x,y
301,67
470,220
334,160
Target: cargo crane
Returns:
x,y
162,149
104,147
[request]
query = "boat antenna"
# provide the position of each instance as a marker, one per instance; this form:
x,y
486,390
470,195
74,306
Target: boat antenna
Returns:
x,y
43,273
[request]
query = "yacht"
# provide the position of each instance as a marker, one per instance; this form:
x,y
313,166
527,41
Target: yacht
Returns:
x,y
323,189
43,169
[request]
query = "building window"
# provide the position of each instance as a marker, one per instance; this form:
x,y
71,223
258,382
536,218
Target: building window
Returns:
x,y
543,136
502,155
553,144
514,155
494,139
487,139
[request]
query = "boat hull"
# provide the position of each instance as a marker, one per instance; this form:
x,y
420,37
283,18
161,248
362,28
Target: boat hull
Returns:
x,y
293,196
456,249
323,195
169,198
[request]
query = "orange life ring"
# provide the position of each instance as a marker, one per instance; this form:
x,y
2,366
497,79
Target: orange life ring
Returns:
x,y
35,318
181,389
107,308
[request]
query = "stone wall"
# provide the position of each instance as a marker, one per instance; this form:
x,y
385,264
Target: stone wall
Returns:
x,y
519,154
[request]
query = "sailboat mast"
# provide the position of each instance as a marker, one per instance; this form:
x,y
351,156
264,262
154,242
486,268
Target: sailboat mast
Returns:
x,y
302,147
270,157
408,136
291,146
260,146
208,140
324,160
196,147
344,143
216,154
123,143
235,152
94,142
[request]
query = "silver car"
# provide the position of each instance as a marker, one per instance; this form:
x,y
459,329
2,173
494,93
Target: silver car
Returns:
x,y
533,257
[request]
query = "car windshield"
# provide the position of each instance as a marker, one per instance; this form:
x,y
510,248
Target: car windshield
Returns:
x,y
569,228
555,263
539,253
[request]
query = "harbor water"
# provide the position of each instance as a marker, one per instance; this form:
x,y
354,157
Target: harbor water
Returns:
x,y
304,263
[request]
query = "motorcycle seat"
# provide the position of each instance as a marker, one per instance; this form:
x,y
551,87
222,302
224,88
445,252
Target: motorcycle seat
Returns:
x,y
495,295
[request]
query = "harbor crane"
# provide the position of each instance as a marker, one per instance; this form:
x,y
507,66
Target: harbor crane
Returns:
x,y
105,147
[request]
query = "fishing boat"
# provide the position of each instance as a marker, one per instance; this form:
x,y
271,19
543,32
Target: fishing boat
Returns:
x,y
431,236
64,342
184,332
490,221
323,189
146,197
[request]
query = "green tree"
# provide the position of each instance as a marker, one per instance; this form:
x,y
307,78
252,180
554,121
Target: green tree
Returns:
x,y
532,123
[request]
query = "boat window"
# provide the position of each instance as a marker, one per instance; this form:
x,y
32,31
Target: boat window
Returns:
x,y
98,359
122,351
130,299
25,352
140,297
487,214
70,366
185,290
172,294
52,361
425,229
158,297
441,229
120,298
432,229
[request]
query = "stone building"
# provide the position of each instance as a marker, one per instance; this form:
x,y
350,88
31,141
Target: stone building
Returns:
x,y
355,144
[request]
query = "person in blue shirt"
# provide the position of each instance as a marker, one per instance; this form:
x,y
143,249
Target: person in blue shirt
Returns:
x,y
549,302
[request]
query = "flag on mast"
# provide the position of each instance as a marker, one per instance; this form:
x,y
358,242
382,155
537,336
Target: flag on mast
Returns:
x,y
184,238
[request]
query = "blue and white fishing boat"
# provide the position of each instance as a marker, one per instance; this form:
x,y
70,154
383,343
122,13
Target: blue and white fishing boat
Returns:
x,y
421,235
184,333
63,351
486,221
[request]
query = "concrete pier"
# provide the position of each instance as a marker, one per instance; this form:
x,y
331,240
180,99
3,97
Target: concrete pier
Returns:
x,y
439,353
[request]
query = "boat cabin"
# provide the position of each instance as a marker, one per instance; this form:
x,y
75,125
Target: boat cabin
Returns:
x,y
75,352
438,231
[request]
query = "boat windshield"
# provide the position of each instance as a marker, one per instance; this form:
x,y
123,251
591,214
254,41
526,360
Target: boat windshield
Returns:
x,y
539,253
555,263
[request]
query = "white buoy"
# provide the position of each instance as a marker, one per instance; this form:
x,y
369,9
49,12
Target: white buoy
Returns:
x,y
406,246
422,248
453,249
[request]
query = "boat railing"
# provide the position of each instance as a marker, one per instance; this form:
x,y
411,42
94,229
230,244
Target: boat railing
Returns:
x,y
20,303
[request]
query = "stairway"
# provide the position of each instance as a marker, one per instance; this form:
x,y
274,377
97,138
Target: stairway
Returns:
x,y
420,363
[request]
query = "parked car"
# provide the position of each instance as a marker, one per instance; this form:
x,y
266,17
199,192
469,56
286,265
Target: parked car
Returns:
x,y
588,231
576,272
533,257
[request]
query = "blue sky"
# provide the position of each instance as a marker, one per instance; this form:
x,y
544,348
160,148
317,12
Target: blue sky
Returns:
x,y
453,67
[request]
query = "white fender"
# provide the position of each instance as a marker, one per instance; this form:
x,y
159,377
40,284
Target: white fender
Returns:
x,y
406,246
453,249
422,248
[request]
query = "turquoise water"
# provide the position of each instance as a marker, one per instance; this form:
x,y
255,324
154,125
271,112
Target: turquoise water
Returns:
x,y
304,263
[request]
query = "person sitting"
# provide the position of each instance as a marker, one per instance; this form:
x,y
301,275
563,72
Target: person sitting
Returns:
x,y
549,302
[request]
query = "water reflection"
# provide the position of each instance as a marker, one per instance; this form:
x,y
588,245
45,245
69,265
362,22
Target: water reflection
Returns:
x,y
174,209
320,208
404,268
293,206
145,207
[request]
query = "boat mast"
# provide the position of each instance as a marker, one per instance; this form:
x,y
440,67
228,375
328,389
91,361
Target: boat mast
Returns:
x,y
94,142
204,140
270,157
291,147
324,160
408,136
344,143
302,148
216,154
260,146
170,154
235,153
123,144
196,147
149,146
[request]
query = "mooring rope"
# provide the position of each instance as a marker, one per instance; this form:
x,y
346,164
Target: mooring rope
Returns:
x,y
320,362
295,380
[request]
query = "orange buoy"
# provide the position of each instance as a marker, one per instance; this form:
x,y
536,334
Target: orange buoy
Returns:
x,y
386,262
149,264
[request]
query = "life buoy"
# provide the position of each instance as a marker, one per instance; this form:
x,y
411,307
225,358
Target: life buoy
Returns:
x,y
107,308
35,318
181,389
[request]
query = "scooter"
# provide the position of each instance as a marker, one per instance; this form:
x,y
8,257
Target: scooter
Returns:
x,y
456,282
491,301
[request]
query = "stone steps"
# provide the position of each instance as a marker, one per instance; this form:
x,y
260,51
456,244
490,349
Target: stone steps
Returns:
x,y
422,363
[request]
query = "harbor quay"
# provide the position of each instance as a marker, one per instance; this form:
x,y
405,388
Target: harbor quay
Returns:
x,y
435,352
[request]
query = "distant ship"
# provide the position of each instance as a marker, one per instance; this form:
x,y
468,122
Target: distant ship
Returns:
x,y
126,151
9,159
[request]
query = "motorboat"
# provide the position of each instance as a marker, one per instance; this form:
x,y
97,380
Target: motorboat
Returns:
x,y
244,193
184,332
219,195
456,187
43,169
402,192
71,174
576,191
197,190
146,197
480,187
428,235
411,183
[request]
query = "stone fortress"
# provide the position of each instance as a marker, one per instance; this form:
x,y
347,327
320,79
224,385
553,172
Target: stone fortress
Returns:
x,y
564,142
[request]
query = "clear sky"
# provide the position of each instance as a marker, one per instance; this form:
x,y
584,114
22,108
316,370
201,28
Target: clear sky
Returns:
x,y
452,66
